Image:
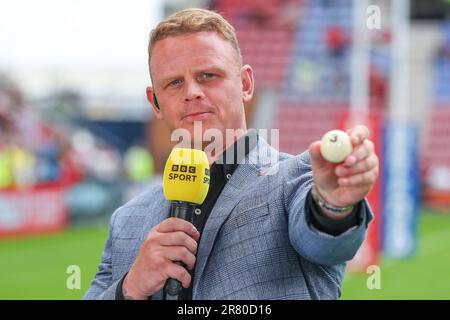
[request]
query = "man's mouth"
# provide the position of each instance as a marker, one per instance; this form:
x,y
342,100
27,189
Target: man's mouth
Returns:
x,y
197,116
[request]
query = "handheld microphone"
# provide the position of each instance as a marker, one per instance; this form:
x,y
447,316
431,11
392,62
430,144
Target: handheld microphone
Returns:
x,y
186,184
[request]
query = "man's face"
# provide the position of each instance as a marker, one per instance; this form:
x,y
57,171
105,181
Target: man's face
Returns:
x,y
197,77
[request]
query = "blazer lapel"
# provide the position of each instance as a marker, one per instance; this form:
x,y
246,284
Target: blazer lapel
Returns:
x,y
227,201
245,176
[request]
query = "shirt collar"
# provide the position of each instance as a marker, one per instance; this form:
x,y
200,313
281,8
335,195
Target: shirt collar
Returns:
x,y
234,154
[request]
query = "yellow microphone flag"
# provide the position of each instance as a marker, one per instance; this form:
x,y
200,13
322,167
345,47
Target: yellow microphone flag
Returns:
x,y
186,176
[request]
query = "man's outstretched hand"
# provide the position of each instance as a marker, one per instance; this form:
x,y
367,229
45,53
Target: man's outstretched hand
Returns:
x,y
348,182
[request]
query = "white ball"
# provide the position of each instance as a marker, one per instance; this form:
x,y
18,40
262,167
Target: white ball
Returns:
x,y
335,146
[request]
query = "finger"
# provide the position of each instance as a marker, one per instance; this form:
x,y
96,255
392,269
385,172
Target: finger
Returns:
x,y
364,165
175,271
316,156
359,153
366,178
178,238
180,254
177,224
358,134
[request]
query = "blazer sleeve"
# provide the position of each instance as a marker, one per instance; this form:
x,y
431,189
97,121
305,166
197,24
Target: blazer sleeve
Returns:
x,y
103,287
316,246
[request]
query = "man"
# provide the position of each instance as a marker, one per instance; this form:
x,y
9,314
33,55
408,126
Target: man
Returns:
x,y
285,235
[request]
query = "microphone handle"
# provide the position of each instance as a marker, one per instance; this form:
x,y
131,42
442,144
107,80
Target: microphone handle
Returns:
x,y
185,211
182,210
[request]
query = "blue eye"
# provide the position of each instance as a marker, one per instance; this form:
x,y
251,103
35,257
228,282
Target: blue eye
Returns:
x,y
207,75
174,82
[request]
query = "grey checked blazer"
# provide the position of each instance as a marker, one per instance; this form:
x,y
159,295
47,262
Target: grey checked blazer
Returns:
x,y
256,244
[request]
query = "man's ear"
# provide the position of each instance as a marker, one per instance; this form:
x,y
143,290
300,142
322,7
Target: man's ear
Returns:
x,y
151,97
248,83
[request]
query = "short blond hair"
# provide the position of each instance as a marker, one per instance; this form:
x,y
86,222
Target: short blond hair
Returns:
x,y
194,20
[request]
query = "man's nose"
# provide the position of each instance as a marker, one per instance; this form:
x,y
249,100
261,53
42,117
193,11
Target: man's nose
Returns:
x,y
193,92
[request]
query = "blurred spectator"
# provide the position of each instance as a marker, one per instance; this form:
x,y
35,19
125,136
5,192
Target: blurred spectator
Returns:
x,y
6,172
98,160
337,45
336,41
377,88
138,164
31,150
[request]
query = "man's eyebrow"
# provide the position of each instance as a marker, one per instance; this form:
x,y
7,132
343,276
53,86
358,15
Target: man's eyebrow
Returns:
x,y
207,68
168,79
212,68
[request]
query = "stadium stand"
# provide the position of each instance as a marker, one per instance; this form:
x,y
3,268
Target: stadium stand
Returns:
x,y
436,155
304,57
265,34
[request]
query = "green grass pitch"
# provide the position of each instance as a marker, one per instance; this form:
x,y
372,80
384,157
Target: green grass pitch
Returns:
x,y
35,267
